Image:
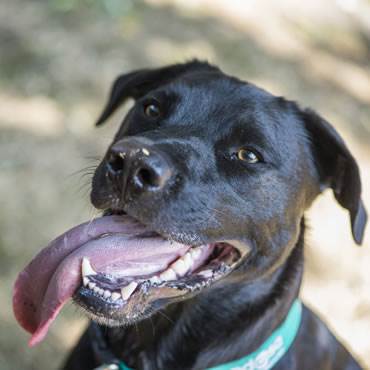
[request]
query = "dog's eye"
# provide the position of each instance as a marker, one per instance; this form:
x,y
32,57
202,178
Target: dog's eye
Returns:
x,y
152,110
247,155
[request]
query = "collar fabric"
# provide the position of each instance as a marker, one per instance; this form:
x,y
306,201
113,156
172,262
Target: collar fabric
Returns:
x,y
274,348
268,354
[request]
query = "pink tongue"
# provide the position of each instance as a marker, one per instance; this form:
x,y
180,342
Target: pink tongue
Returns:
x,y
53,276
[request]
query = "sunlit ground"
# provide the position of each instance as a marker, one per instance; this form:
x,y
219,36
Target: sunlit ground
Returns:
x,y
57,60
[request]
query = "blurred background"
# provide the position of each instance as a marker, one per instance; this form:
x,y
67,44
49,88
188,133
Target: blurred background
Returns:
x,y
57,61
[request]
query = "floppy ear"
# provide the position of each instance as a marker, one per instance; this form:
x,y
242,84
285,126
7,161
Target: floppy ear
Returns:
x,y
337,169
138,83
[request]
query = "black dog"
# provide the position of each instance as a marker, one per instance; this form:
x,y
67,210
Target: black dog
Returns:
x,y
203,158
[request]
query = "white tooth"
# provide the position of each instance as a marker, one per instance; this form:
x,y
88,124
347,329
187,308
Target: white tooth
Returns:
x,y
195,253
155,280
206,273
115,296
168,275
86,267
92,285
85,280
180,267
187,259
107,294
96,290
128,290
101,291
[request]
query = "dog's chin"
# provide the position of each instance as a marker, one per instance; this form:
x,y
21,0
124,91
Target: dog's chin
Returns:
x,y
115,301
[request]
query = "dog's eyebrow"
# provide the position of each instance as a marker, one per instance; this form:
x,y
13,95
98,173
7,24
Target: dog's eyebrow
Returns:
x,y
249,132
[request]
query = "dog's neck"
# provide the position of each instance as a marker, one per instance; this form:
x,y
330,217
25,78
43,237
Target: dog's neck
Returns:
x,y
215,327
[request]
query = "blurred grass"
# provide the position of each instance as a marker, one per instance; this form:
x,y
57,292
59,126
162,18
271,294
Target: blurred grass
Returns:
x,y
57,61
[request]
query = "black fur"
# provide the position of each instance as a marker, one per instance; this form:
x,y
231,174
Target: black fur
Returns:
x,y
206,117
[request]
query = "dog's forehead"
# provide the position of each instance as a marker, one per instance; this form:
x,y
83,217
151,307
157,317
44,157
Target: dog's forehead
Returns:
x,y
226,104
210,89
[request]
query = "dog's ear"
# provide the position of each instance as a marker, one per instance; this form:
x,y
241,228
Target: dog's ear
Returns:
x,y
337,169
138,83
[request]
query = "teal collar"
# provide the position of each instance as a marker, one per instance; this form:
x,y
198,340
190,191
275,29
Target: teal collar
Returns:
x,y
269,353
274,348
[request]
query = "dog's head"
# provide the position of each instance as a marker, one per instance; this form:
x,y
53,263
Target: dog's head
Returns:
x,y
206,159
213,176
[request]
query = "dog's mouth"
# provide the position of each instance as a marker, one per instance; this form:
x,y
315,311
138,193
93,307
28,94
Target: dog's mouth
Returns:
x,y
127,293
118,270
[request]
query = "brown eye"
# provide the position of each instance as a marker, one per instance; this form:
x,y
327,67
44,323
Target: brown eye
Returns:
x,y
247,155
152,110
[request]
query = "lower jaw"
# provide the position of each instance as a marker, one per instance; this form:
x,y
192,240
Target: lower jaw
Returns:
x,y
148,297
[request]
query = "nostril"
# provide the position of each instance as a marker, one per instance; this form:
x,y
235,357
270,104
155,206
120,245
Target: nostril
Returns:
x,y
147,177
115,162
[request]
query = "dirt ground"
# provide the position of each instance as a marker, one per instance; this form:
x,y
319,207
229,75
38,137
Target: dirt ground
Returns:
x,y
57,60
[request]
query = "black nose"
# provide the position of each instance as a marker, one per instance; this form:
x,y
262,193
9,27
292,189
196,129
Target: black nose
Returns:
x,y
138,167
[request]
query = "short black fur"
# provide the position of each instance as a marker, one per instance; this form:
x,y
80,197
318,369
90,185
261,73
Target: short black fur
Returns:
x,y
206,117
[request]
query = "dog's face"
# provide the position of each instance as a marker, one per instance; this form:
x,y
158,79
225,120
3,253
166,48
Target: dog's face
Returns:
x,y
212,162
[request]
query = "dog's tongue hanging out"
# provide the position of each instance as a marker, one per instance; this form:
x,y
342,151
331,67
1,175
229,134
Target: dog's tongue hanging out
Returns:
x,y
114,245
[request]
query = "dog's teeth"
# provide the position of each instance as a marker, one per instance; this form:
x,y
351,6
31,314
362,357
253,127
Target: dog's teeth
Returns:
x,y
85,280
168,275
206,273
145,151
128,290
87,270
92,285
96,289
155,280
180,267
187,259
101,292
115,296
195,253
107,294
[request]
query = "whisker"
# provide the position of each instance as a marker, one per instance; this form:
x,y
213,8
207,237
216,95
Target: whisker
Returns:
x,y
153,327
94,215
220,212
84,186
137,331
82,170
166,317
93,158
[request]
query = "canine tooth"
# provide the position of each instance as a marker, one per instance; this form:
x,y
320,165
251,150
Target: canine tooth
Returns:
x,y
206,273
85,280
107,294
115,296
86,267
195,253
92,285
128,290
155,280
180,267
187,259
168,275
